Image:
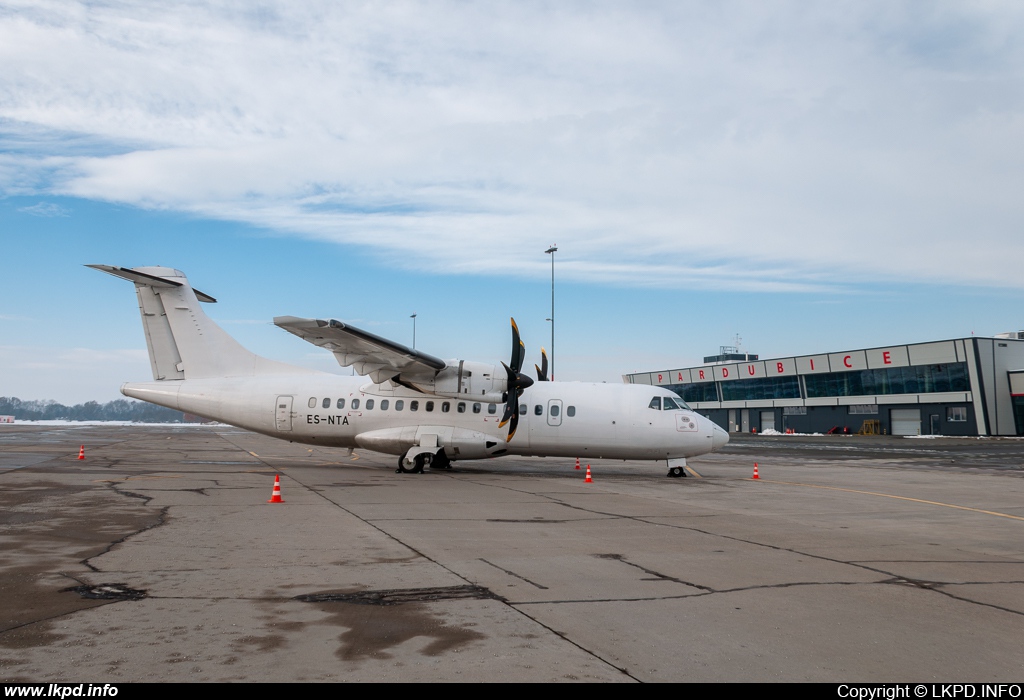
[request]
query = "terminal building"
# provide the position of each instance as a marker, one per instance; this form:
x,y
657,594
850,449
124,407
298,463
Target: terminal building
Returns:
x,y
966,386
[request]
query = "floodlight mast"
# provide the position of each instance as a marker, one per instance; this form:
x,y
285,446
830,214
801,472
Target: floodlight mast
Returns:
x,y
551,251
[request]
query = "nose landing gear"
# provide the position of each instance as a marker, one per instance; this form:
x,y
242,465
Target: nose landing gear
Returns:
x,y
677,468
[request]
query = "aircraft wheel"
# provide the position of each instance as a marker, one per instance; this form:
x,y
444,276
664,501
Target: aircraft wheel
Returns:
x,y
401,466
677,472
441,461
418,464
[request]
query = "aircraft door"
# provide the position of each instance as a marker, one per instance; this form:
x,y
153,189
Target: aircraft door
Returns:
x,y
284,412
555,412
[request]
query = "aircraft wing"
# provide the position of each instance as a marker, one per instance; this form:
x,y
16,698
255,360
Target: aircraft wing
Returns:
x,y
370,355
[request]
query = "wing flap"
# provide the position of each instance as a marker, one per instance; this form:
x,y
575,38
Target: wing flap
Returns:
x,y
370,355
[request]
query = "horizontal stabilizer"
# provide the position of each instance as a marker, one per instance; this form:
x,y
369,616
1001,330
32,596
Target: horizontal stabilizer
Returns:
x,y
149,280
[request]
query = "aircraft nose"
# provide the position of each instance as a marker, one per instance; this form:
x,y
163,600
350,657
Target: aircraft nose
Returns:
x,y
719,438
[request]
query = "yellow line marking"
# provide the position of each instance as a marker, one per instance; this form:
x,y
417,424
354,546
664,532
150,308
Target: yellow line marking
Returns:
x,y
694,472
899,498
354,456
254,455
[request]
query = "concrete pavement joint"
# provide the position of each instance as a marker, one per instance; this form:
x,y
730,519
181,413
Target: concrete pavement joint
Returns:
x,y
460,576
924,585
512,573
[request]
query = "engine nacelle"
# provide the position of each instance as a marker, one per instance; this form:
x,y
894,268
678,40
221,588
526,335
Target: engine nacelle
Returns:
x,y
471,381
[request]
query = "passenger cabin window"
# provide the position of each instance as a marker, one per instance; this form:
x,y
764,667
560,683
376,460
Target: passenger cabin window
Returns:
x,y
522,409
476,408
538,410
655,403
399,405
312,402
384,405
492,408
554,409
369,404
570,411
414,405
341,403
461,407
355,404
445,407
327,403
430,406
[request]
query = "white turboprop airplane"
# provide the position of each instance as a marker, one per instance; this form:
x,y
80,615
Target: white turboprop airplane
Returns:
x,y
427,411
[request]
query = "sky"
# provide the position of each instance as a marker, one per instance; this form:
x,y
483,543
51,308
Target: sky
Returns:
x,y
810,177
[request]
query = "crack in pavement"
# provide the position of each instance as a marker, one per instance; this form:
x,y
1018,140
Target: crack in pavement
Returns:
x,y
934,586
541,624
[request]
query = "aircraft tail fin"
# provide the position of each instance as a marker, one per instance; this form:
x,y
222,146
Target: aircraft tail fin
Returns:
x,y
183,342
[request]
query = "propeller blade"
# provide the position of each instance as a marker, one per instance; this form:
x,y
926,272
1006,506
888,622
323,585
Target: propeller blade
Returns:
x,y
512,402
518,349
513,426
542,371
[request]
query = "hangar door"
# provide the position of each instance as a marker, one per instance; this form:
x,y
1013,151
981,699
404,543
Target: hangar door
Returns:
x,y
905,421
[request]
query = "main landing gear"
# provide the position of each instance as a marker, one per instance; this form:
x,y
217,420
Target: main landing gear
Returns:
x,y
423,459
418,462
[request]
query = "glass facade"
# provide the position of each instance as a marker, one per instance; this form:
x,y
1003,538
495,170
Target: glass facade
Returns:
x,y
761,389
695,393
1018,413
923,379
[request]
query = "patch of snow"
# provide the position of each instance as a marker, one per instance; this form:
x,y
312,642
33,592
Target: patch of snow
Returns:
x,y
79,423
965,437
772,431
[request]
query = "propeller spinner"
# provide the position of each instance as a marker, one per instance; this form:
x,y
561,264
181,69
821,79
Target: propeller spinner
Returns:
x,y
517,382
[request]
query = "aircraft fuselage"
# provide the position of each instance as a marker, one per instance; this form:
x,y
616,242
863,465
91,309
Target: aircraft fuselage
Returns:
x,y
567,419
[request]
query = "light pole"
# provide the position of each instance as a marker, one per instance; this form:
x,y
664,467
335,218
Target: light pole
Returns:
x,y
413,317
551,251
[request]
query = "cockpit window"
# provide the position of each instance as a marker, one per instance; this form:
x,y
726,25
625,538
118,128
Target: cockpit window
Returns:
x,y
670,404
655,403
682,404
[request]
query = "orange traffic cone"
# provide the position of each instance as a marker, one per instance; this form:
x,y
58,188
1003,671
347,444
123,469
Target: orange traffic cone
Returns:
x,y
588,480
755,472
577,462
276,496
81,452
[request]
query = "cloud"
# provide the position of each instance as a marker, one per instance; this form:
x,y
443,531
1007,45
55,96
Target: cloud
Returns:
x,y
70,375
45,209
761,147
